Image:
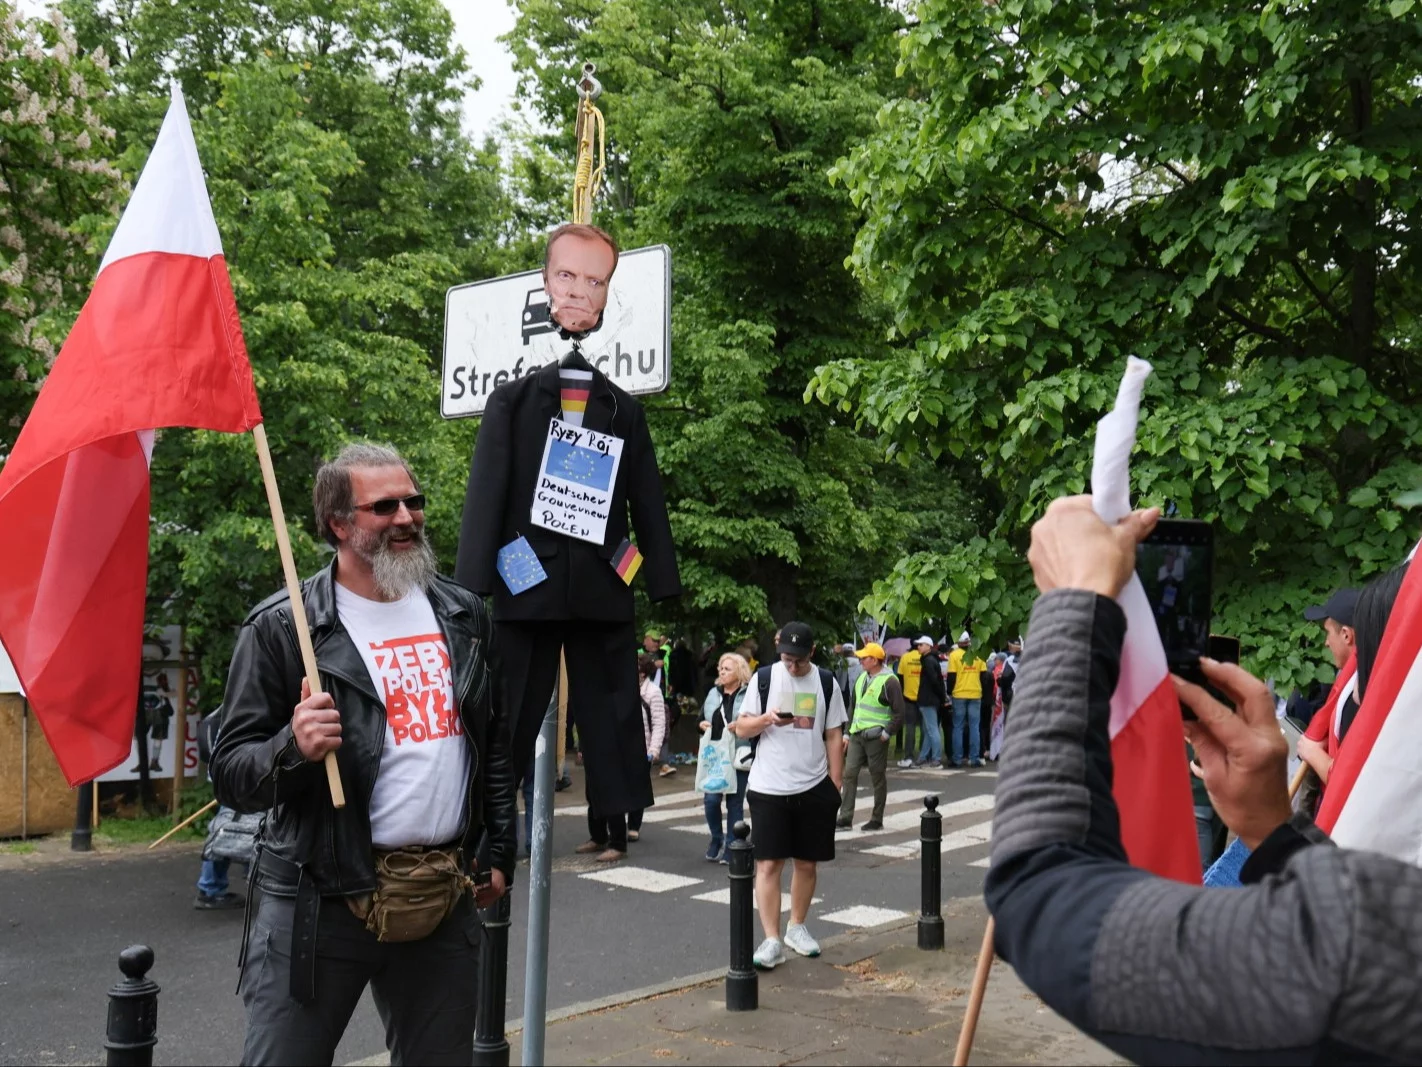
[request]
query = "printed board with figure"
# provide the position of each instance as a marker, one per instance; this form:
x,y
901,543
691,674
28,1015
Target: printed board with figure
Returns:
x,y
497,331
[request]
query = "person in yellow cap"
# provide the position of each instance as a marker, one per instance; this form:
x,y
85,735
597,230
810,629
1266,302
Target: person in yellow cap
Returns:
x,y
876,713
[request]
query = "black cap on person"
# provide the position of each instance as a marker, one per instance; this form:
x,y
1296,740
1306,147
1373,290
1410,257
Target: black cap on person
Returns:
x,y
796,639
1339,607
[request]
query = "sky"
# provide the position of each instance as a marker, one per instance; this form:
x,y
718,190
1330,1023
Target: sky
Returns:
x,y
477,24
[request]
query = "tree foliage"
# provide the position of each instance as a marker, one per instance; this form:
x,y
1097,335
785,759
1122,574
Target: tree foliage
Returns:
x,y
56,187
348,200
723,119
1228,190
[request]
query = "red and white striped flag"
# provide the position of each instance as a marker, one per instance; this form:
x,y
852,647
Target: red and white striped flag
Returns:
x,y
156,344
1374,796
1151,779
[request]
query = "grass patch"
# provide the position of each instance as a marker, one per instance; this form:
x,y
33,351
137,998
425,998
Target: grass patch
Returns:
x,y
17,848
143,829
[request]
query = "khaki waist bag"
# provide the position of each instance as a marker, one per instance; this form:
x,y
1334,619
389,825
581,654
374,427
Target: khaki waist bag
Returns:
x,y
415,890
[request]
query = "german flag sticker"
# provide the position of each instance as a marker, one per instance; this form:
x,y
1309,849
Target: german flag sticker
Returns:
x,y
626,561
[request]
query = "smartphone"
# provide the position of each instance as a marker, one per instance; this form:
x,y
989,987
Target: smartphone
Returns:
x,y
784,714
1176,566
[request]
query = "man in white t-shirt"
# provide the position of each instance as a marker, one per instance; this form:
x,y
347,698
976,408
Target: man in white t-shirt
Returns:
x,y
424,758
793,790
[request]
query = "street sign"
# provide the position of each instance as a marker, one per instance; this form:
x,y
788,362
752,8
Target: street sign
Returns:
x,y
498,330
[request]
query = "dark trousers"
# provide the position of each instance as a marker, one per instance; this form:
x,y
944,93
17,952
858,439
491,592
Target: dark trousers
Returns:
x,y
908,735
425,991
602,684
864,753
611,830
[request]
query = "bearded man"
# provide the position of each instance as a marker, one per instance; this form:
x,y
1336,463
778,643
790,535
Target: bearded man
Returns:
x,y
379,892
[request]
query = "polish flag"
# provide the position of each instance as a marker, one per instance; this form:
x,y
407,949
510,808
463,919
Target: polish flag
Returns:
x,y
1151,778
1372,798
157,344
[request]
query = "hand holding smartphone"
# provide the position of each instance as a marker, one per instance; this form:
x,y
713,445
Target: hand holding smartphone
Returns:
x,y
1176,567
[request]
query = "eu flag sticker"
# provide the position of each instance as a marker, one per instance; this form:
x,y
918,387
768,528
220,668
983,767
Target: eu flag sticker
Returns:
x,y
519,567
583,466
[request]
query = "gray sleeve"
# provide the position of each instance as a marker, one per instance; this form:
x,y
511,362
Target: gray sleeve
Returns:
x,y
1319,961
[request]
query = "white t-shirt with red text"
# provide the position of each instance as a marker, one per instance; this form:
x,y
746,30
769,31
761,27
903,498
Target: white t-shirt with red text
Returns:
x,y
421,790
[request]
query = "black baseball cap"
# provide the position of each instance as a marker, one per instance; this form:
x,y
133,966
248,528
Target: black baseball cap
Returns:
x,y
796,639
1339,608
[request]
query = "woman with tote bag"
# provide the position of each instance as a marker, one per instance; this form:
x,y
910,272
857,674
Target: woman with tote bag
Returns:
x,y
718,715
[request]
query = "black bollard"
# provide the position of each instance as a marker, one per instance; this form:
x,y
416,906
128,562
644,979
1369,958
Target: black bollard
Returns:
x,y
742,983
133,1011
930,836
82,837
491,1047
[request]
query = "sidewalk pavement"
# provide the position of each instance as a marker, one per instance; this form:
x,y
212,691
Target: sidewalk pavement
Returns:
x,y
872,997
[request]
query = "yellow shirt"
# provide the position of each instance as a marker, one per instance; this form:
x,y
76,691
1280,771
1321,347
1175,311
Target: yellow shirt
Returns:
x,y
910,672
968,683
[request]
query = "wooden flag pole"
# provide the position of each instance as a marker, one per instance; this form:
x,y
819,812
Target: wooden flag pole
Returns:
x,y
975,997
293,587
186,822
985,958
562,711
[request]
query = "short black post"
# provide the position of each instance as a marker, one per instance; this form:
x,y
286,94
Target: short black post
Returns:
x,y
742,983
81,838
491,1047
930,836
133,1011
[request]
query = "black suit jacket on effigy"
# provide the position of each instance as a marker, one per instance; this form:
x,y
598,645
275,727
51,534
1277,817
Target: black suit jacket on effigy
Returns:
x,y
581,582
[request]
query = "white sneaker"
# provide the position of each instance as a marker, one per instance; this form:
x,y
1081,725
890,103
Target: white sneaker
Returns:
x,y
798,938
904,764
770,954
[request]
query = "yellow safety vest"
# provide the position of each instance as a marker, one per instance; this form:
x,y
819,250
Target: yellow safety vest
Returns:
x,y
869,707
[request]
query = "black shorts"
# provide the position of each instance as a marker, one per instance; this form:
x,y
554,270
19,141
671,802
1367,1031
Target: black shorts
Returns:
x,y
799,826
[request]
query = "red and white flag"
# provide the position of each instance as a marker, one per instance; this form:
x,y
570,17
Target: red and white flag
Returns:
x,y
156,344
1373,799
1151,779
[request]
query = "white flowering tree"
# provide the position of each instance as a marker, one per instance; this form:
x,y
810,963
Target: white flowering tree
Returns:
x,y
57,192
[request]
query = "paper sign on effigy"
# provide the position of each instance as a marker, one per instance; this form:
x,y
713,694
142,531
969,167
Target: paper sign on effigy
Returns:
x,y
575,482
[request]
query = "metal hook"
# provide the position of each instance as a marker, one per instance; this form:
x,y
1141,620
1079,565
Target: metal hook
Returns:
x,y
589,88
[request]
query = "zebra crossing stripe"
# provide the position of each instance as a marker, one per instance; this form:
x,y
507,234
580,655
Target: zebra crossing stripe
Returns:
x,y
863,915
670,800
643,878
723,896
964,838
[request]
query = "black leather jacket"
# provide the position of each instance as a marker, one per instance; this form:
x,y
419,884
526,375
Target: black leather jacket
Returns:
x,y
256,765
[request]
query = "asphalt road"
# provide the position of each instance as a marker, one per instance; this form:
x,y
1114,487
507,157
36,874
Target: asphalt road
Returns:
x,y
62,924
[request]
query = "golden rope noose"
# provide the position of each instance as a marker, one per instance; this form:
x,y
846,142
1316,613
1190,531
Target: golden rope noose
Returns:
x,y
591,138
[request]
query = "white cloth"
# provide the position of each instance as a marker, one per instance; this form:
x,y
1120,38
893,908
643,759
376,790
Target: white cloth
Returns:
x,y
791,758
1143,666
421,789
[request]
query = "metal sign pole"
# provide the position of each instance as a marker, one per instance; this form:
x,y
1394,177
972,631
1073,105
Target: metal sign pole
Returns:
x,y
540,886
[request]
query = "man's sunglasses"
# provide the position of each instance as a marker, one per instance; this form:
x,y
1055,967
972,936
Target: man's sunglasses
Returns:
x,y
390,505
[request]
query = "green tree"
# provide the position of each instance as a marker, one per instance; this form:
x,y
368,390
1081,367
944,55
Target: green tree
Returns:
x,y
56,187
1229,190
348,200
723,119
